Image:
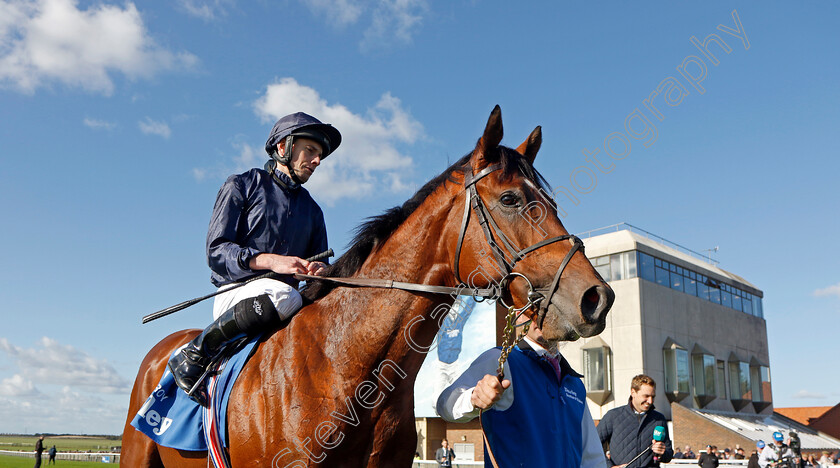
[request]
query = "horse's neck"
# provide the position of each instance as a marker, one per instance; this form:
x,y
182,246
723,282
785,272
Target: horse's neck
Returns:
x,y
376,320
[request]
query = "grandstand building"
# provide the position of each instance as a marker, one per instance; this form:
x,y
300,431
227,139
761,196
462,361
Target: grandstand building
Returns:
x,y
694,327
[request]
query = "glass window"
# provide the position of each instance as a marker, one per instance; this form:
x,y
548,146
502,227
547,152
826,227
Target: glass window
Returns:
x,y
714,294
615,266
755,383
690,286
658,262
662,277
629,259
704,375
677,281
676,370
736,302
646,267
739,381
602,260
756,306
766,393
672,267
721,380
702,289
746,306
595,368
604,271
726,298
735,381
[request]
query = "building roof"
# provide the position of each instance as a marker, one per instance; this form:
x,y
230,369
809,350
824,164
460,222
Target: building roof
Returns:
x,y
805,414
628,237
761,427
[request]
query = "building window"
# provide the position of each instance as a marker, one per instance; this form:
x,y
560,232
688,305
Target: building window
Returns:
x,y
646,267
740,390
721,380
597,366
705,368
616,266
465,452
676,371
760,385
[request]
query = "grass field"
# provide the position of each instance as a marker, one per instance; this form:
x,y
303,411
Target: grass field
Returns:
x,y
19,462
62,443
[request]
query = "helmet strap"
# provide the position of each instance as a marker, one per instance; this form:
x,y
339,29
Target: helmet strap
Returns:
x,y
286,159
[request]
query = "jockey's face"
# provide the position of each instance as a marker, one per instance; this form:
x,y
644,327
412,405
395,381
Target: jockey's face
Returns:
x,y
306,157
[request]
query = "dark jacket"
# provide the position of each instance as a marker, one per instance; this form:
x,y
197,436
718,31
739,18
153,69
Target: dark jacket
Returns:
x,y
629,434
708,460
753,463
444,456
254,214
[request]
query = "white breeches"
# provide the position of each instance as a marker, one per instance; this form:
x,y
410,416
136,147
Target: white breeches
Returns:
x,y
286,299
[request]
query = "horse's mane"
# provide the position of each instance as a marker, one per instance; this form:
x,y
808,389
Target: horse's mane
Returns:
x,y
376,229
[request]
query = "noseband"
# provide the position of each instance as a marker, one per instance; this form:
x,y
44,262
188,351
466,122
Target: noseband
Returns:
x,y
540,297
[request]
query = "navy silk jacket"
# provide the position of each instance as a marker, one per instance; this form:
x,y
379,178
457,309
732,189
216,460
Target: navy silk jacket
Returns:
x,y
254,214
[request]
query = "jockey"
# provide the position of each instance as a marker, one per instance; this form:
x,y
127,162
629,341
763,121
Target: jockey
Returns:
x,y
262,220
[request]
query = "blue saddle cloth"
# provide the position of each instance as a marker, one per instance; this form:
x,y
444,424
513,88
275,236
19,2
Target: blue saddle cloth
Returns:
x,y
172,419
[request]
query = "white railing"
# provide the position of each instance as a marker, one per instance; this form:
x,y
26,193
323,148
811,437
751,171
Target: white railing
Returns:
x,y
76,456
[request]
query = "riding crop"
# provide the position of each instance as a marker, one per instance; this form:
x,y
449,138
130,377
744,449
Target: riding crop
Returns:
x,y
172,309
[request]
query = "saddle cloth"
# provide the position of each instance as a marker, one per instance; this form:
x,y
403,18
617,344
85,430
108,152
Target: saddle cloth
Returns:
x,y
172,419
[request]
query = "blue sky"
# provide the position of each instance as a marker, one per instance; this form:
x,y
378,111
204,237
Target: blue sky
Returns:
x,y
121,120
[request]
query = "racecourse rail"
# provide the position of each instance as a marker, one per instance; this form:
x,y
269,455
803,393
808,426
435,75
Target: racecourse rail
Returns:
x,y
103,457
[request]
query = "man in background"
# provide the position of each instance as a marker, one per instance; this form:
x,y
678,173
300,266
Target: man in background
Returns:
x,y
628,429
444,454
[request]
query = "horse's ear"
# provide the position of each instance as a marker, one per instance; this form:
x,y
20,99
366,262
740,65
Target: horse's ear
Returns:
x,y
529,147
485,149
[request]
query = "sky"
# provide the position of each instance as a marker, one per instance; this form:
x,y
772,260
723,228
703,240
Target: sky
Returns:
x,y
121,120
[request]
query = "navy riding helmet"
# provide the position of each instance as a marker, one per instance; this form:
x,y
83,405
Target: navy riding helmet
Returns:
x,y
303,125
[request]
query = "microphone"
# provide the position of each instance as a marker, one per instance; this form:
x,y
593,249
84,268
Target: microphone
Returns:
x,y
658,435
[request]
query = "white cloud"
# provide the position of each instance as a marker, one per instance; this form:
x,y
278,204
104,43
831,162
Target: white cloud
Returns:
x,y
369,158
57,364
391,21
833,290
18,386
98,124
808,395
153,127
337,12
205,10
394,21
246,157
47,41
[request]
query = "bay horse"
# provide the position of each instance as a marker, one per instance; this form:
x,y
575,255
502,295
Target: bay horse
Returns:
x,y
335,385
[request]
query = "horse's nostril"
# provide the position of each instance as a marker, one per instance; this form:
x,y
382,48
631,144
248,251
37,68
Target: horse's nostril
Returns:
x,y
591,296
591,305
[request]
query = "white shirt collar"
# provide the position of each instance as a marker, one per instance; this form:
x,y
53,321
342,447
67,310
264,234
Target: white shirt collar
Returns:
x,y
539,349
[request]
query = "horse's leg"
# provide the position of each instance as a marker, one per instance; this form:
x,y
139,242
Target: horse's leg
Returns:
x,y
394,438
138,451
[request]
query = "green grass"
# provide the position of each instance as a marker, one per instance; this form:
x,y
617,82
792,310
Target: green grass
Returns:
x,y
21,462
62,443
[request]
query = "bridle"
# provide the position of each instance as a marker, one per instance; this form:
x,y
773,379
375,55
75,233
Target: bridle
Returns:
x,y
536,297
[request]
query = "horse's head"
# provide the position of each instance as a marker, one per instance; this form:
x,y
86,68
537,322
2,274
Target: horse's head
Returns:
x,y
511,236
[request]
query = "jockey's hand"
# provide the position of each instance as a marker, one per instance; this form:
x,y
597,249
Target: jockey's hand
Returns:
x,y
281,264
487,391
316,268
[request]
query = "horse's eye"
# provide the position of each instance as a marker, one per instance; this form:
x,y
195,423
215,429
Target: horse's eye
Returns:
x,y
509,199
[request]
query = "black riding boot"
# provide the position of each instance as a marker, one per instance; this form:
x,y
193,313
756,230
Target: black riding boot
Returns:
x,y
189,365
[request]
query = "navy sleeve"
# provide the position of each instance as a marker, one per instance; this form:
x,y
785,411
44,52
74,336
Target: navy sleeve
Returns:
x,y
605,432
319,242
225,257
